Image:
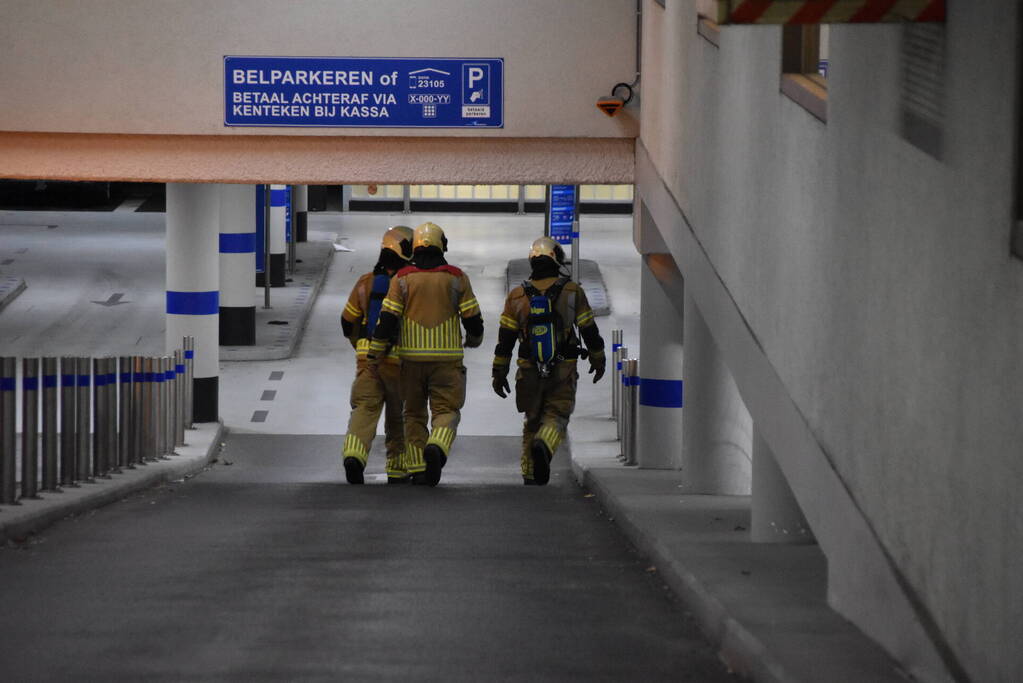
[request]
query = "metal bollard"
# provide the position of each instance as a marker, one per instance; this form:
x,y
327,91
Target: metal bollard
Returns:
x,y
8,431
150,409
616,343
633,416
189,380
8,415
125,435
169,406
50,426
614,383
179,381
110,365
83,416
159,406
29,427
138,381
68,433
620,355
148,404
99,416
624,413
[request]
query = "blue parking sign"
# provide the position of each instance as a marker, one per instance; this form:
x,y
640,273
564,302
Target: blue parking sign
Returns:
x,y
562,213
372,92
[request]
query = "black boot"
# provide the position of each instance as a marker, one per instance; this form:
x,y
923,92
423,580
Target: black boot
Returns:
x,y
541,462
435,461
353,470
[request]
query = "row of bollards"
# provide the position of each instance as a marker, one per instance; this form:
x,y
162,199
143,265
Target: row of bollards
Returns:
x,y
84,419
624,397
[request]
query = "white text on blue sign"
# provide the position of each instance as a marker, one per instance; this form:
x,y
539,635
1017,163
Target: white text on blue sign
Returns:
x,y
378,92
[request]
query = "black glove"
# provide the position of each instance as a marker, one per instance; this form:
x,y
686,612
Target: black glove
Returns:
x,y
597,365
500,381
472,341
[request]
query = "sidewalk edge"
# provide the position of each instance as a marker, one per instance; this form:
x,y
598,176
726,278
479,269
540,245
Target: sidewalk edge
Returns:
x,y
738,648
27,521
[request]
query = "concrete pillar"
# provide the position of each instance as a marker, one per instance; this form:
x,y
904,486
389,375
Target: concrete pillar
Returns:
x,y
278,240
237,265
660,356
300,202
717,428
193,281
776,517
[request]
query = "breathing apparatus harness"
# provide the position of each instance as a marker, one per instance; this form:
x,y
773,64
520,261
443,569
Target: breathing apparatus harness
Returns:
x,y
544,327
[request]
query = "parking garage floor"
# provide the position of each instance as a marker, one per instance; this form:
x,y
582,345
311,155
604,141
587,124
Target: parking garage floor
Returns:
x,y
266,566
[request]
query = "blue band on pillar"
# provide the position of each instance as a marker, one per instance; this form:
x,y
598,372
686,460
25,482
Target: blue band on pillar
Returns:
x,y
149,377
84,380
111,378
7,384
278,197
660,393
237,243
67,380
193,303
125,377
101,380
49,381
615,347
179,368
30,383
189,353
169,374
138,377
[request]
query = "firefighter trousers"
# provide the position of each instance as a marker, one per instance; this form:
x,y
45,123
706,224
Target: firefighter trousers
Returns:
x,y
371,394
437,386
548,403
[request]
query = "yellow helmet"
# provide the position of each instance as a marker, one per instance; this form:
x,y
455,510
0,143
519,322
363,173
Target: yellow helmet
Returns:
x,y
429,235
545,246
399,240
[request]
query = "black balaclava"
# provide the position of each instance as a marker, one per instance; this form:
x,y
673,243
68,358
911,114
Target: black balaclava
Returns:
x,y
389,261
428,257
543,266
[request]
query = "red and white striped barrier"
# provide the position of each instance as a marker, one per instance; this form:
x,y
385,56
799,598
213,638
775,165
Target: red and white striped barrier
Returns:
x,y
827,11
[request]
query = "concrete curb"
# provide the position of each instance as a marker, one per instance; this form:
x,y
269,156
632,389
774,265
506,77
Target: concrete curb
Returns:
x,y
298,311
741,651
762,605
10,288
32,516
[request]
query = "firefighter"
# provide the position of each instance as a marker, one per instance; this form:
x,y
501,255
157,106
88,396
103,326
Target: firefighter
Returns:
x,y
542,314
424,306
378,388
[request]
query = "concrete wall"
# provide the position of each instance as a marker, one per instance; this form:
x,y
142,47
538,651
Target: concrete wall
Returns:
x,y
876,284
156,66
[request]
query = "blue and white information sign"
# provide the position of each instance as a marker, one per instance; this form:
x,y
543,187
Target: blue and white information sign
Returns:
x,y
363,92
562,213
